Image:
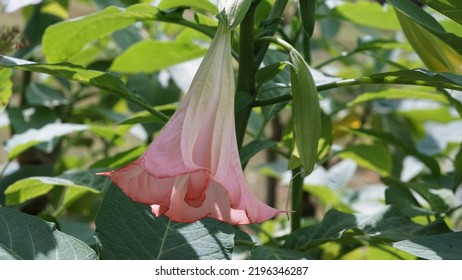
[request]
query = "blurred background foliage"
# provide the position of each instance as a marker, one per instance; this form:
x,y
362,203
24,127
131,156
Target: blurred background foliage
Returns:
x,y
387,184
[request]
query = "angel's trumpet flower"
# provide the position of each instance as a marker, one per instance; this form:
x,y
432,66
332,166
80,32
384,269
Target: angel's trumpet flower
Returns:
x,y
192,169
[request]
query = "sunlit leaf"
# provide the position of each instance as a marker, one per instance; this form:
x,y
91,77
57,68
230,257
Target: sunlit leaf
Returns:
x,y
434,52
369,14
63,40
449,8
32,187
21,142
150,56
428,22
373,157
446,246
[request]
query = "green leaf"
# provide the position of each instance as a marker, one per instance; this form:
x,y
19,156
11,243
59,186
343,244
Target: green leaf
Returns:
x,y
373,157
276,253
32,187
306,112
435,53
329,197
396,93
403,199
21,142
150,56
197,4
439,198
418,77
5,86
97,79
446,246
333,225
252,148
128,230
387,225
267,73
27,237
389,138
63,40
449,8
428,22
370,14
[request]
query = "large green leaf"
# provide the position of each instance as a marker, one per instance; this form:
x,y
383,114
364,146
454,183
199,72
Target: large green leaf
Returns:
x,y
21,142
435,53
428,22
387,225
77,183
449,8
62,41
150,56
27,237
65,39
5,86
446,246
276,253
128,230
369,14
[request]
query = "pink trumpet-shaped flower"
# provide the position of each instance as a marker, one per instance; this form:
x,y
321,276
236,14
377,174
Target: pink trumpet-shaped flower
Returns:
x,y
192,169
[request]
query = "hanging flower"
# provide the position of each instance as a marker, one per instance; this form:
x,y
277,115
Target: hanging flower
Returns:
x,y
192,169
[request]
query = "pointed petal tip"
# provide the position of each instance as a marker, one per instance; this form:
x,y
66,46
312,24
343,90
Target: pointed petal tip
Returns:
x,y
105,173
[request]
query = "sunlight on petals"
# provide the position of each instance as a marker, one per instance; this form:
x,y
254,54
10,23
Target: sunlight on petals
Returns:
x,y
192,169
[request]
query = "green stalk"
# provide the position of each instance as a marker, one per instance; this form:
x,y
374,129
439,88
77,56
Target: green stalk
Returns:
x,y
246,71
297,193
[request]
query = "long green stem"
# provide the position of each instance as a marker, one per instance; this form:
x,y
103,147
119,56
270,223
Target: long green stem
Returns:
x,y
297,193
246,72
343,83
